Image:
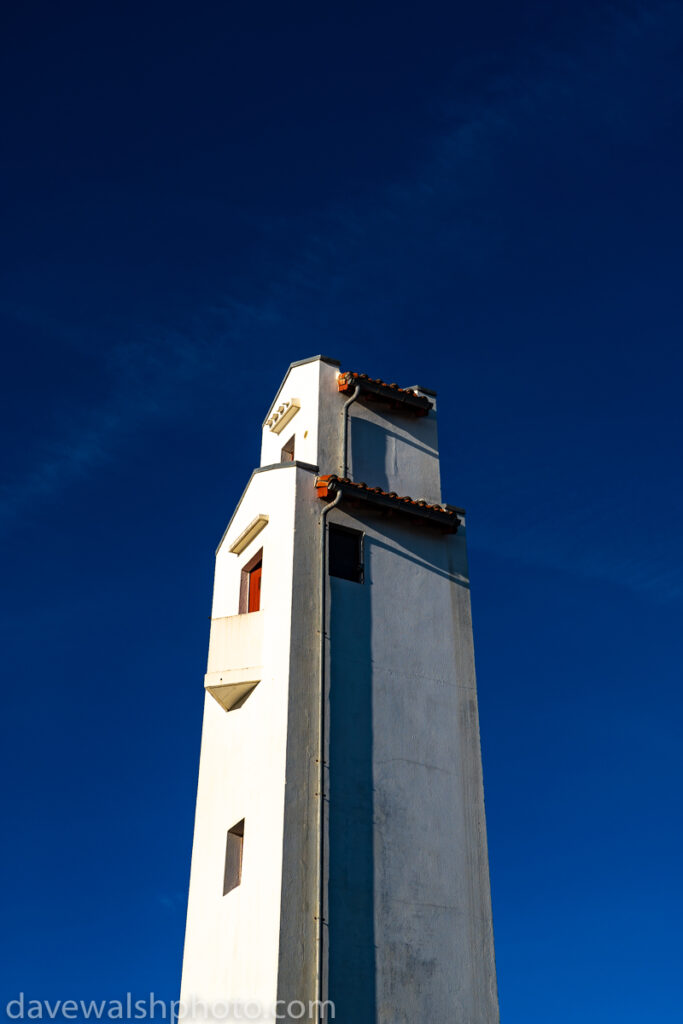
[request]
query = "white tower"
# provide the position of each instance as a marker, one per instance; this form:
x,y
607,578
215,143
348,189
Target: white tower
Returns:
x,y
340,842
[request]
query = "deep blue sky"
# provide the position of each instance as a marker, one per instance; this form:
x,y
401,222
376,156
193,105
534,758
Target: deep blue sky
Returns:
x,y
485,199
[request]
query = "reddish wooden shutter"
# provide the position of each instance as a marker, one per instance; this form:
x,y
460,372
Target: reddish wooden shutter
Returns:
x,y
250,584
255,589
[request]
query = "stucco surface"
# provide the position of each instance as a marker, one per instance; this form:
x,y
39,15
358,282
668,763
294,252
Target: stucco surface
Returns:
x,y
407,932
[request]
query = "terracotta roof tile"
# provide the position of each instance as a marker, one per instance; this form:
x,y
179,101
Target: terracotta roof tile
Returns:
x,y
379,389
444,514
349,377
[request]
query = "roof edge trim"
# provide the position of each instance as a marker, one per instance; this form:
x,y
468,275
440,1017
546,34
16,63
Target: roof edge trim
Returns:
x,y
443,516
307,466
423,389
292,366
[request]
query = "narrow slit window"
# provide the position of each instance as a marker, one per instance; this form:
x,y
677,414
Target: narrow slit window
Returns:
x,y
233,857
287,453
346,553
250,584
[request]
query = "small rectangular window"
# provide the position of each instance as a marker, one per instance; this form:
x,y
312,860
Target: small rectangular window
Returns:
x,y
287,453
346,553
250,584
233,857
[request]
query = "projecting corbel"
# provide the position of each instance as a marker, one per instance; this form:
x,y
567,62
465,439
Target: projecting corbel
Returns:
x,y
283,414
246,537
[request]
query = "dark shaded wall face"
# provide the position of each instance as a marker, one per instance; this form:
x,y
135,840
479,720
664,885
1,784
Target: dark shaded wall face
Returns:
x,y
403,849
351,867
395,451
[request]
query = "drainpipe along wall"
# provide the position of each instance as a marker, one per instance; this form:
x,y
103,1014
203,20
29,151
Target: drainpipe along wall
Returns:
x,y
323,722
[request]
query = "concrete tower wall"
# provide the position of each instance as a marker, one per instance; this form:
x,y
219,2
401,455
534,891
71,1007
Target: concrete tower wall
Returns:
x,y
406,932
394,450
231,947
410,929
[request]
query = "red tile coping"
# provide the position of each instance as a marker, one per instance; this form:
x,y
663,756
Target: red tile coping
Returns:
x,y
380,390
445,516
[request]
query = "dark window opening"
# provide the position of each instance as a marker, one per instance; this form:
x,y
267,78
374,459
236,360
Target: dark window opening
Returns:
x,y
346,554
233,857
250,584
287,453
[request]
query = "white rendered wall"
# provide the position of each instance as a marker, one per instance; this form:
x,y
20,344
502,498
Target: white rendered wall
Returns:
x,y
397,451
231,948
303,382
408,919
405,779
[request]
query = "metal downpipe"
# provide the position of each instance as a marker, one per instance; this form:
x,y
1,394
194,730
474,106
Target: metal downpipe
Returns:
x,y
321,754
323,722
345,430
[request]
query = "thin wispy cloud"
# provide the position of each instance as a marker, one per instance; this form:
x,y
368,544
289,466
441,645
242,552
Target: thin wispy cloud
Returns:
x,y
361,267
151,379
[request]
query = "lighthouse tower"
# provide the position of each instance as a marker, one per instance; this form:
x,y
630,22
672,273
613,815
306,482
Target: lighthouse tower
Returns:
x,y
340,868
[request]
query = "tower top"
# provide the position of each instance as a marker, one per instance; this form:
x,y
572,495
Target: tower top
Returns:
x,y
293,366
394,438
